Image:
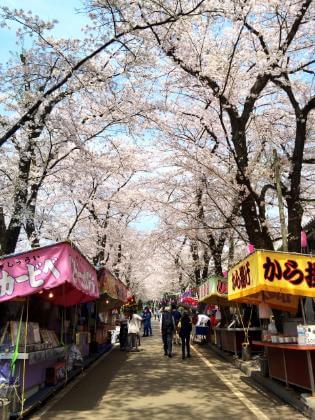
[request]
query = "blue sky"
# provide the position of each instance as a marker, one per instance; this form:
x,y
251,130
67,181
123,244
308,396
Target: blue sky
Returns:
x,y
146,221
70,20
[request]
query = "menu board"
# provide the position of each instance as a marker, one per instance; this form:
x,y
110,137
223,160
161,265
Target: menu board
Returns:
x,y
36,333
32,328
49,337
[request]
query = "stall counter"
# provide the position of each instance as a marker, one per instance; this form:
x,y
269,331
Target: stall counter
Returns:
x,y
231,339
288,362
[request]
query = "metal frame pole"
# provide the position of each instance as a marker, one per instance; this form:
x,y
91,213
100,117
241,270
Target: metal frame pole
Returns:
x,y
308,354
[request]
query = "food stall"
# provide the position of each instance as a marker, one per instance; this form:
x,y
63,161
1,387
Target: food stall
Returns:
x,y
214,291
113,294
229,338
279,279
48,278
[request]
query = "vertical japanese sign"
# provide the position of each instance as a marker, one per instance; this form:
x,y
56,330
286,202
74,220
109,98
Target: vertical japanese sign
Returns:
x,y
277,272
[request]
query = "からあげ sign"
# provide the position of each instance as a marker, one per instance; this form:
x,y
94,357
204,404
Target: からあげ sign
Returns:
x,y
273,272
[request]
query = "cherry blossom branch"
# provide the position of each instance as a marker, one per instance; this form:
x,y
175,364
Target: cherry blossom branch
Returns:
x,y
28,115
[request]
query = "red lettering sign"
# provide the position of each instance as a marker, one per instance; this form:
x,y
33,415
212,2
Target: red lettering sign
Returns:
x,y
290,272
241,277
222,287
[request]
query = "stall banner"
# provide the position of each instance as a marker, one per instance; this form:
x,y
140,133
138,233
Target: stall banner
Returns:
x,y
107,283
276,273
48,268
122,291
214,286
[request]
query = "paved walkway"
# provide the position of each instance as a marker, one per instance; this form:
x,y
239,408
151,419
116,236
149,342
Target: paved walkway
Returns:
x,y
148,385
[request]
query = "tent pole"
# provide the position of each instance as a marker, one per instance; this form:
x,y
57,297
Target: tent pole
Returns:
x,y
308,354
24,360
303,310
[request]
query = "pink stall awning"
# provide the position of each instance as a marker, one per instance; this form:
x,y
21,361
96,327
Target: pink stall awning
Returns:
x,y
56,272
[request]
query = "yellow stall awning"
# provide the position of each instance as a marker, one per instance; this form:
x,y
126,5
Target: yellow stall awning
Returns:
x,y
277,278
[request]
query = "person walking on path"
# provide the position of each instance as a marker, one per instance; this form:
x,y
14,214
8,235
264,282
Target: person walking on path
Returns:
x,y
167,327
150,325
185,327
123,333
147,329
134,330
194,320
158,314
176,315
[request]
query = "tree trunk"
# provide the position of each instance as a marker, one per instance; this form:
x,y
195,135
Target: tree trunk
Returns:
x,y
2,229
206,261
20,199
231,252
30,227
217,259
216,252
101,258
283,226
118,261
128,275
295,210
256,229
196,262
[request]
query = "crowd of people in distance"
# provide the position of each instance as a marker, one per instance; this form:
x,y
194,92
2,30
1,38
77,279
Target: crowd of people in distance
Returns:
x,y
130,326
176,327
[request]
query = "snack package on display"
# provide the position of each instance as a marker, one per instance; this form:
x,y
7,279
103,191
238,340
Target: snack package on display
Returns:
x,y
272,327
264,311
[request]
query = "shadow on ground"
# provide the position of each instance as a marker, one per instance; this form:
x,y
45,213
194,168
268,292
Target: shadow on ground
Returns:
x,y
148,385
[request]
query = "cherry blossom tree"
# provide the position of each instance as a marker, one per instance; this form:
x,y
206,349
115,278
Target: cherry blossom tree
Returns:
x,y
233,55
177,108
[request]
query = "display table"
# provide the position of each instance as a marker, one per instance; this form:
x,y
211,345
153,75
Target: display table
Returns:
x,y
82,340
102,333
231,339
288,362
36,364
37,356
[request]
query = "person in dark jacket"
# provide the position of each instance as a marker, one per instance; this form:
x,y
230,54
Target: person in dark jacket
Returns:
x,y
167,327
184,333
146,316
123,334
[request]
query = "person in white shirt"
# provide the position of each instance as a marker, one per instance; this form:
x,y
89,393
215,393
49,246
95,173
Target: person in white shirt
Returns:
x,y
202,320
134,325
